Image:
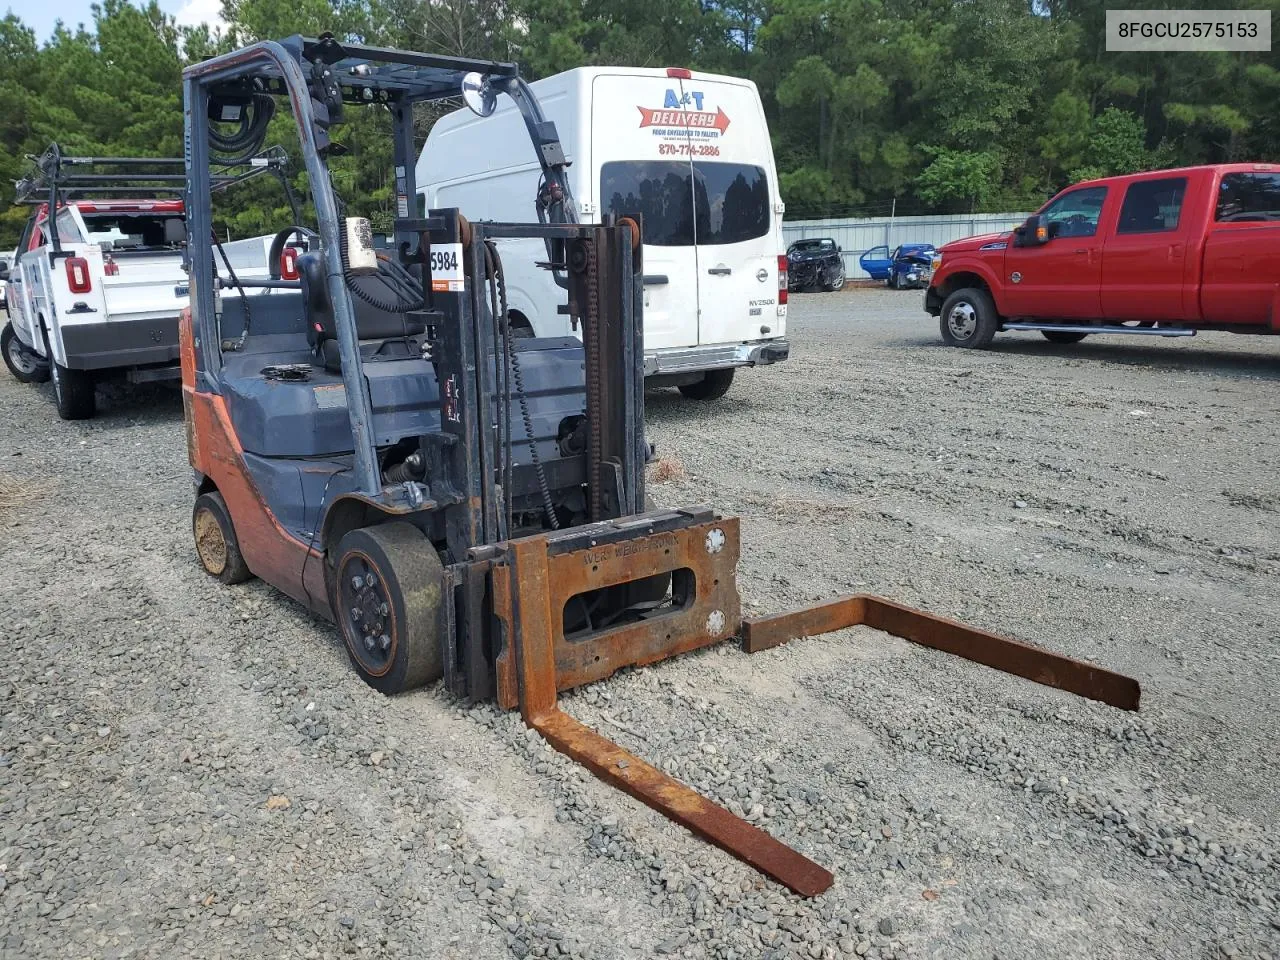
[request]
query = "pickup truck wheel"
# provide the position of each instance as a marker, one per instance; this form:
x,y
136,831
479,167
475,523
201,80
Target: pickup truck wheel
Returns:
x,y
25,366
217,548
1062,336
711,387
968,319
387,595
73,391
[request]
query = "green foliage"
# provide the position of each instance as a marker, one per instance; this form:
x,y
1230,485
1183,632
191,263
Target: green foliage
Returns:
x,y
959,176
977,104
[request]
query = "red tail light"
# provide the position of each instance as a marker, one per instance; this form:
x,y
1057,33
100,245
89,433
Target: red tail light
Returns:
x,y
78,275
289,264
679,73
110,267
782,279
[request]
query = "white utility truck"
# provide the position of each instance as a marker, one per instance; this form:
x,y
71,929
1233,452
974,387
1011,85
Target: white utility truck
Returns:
x,y
105,296
97,287
686,154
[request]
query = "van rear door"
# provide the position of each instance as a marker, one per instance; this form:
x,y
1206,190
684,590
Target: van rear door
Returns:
x,y
640,150
737,228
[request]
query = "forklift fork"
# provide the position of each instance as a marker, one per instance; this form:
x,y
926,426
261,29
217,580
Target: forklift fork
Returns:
x,y
539,576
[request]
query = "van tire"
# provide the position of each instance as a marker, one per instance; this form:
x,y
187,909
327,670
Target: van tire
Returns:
x,y
521,328
968,319
26,367
713,386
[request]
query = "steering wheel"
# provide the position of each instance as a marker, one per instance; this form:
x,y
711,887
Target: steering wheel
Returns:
x,y
278,244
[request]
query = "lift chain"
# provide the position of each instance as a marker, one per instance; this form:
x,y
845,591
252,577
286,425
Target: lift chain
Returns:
x,y
595,391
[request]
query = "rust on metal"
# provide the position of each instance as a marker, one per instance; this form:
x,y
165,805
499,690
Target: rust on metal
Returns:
x,y
529,594
710,613
928,630
685,806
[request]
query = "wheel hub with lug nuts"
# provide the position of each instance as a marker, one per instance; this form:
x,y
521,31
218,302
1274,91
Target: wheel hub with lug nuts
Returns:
x,y
369,610
962,320
21,359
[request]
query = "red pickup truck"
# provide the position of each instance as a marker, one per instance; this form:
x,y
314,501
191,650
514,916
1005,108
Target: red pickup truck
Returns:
x,y
1164,253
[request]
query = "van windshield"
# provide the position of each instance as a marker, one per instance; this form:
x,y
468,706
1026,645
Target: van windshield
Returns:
x,y
731,200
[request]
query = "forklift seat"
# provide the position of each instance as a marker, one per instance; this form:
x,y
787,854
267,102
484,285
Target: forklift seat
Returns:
x,y
382,333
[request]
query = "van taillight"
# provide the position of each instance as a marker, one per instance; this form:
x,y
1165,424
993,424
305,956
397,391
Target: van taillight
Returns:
x,y
782,279
78,275
289,264
679,73
110,268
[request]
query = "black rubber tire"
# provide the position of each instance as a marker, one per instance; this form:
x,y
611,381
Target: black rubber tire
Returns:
x,y
833,280
985,320
410,583
898,283
1062,336
33,370
217,547
713,386
521,328
74,392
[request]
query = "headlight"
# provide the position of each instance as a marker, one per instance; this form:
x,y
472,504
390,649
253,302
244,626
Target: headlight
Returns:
x,y
937,261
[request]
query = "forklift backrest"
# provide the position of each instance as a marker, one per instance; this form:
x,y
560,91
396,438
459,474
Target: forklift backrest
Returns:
x,y
372,322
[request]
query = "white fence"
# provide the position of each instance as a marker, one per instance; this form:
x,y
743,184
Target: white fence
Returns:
x,y
856,236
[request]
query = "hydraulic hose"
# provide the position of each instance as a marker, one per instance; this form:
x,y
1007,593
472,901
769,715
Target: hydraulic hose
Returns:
x,y
518,377
248,139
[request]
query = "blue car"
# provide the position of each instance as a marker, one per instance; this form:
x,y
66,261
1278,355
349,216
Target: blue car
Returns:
x,y
909,265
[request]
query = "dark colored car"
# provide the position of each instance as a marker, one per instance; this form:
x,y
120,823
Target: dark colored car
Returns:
x,y
911,266
815,262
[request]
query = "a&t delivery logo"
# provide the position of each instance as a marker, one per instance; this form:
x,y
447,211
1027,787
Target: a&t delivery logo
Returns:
x,y
684,116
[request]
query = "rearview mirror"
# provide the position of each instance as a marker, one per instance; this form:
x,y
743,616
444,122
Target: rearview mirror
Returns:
x,y
4,271
1033,233
479,97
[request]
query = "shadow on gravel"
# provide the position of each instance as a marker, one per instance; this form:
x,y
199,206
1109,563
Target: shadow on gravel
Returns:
x,y
671,406
1261,365
1265,365
124,405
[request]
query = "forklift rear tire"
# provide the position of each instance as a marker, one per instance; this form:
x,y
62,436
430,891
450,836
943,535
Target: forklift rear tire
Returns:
x,y
26,367
388,600
713,386
216,543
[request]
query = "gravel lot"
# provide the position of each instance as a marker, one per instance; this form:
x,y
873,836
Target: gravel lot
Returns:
x,y
190,770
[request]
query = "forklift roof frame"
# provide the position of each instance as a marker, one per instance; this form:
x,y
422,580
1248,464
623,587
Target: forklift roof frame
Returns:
x,y
366,75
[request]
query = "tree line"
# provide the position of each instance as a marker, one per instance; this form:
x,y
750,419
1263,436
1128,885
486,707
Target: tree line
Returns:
x,y
928,105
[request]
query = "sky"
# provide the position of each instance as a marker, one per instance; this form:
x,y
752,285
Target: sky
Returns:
x,y
43,15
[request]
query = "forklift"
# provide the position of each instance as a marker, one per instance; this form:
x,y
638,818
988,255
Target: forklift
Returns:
x,y
468,506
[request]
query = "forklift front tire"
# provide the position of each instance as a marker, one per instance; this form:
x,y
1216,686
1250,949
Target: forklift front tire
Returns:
x,y
216,545
387,596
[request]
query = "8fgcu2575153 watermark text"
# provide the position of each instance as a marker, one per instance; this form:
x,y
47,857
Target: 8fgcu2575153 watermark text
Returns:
x,y
1188,30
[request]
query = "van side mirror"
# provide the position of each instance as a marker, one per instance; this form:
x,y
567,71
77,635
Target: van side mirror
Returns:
x,y
1034,233
4,271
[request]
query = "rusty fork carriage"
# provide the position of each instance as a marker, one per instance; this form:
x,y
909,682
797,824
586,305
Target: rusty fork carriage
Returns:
x,y
535,577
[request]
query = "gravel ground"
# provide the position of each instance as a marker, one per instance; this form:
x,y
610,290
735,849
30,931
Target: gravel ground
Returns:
x,y
190,770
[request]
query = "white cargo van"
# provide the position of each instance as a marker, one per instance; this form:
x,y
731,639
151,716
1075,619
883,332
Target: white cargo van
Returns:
x,y
687,152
